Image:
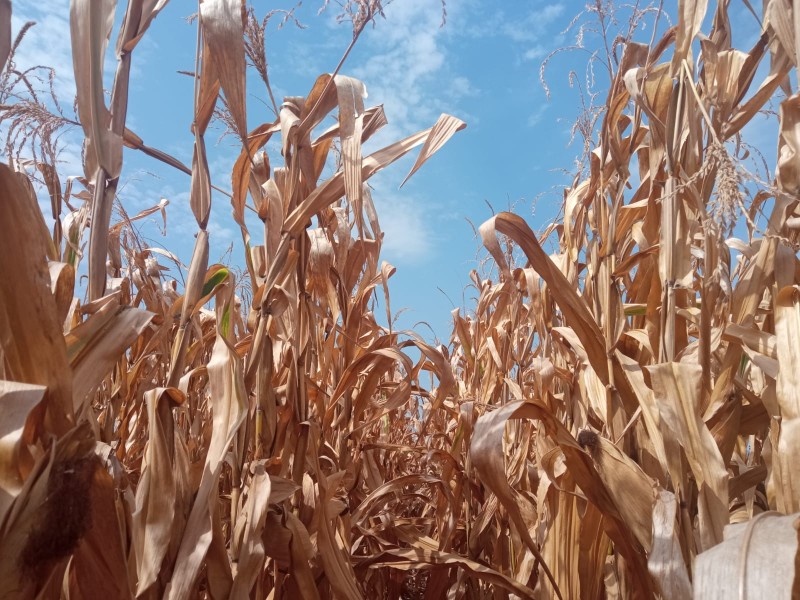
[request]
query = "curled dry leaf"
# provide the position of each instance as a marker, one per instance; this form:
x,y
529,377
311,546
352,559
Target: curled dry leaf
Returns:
x,y
677,390
90,27
226,383
154,519
755,560
633,492
665,562
223,30
785,476
18,407
30,332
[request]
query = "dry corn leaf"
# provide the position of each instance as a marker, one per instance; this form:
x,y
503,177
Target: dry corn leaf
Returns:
x,y
788,173
49,515
677,389
207,92
301,552
633,492
665,561
570,541
575,310
350,93
196,282
99,564
138,17
251,557
690,18
755,560
200,191
755,339
30,332
333,554
486,451
446,126
778,15
747,110
154,519
580,466
62,285
223,30
242,168
98,343
333,188
651,416
228,402
786,471
638,275
18,420
90,27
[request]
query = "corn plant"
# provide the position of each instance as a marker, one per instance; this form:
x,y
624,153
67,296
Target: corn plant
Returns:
x,y
621,395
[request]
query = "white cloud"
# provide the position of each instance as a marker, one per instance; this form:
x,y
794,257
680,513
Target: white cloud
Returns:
x,y
536,116
407,61
461,87
408,236
47,43
536,52
527,29
534,25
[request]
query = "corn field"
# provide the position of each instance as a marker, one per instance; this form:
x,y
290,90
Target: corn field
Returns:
x,y
617,416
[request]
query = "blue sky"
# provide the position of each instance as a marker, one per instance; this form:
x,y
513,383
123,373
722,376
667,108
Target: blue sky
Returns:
x,y
482,66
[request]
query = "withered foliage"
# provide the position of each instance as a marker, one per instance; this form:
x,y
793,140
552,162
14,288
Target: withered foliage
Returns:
x,y
596,423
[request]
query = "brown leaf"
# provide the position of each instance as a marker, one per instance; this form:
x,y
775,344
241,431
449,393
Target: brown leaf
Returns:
x,y
786,472
30,332
665,561
633,492
18,407
153,521
677,389
416,558
90,27
251,556
788,173
690,18
333,188
445,128
97,344
200,192
350,93
223,31
49,516
99,567
755,556
485,447
228,407
138,18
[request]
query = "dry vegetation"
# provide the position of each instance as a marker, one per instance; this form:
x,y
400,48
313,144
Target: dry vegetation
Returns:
x,y
591,429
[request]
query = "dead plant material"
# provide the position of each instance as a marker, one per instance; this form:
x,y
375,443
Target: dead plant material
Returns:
x,y
622,396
